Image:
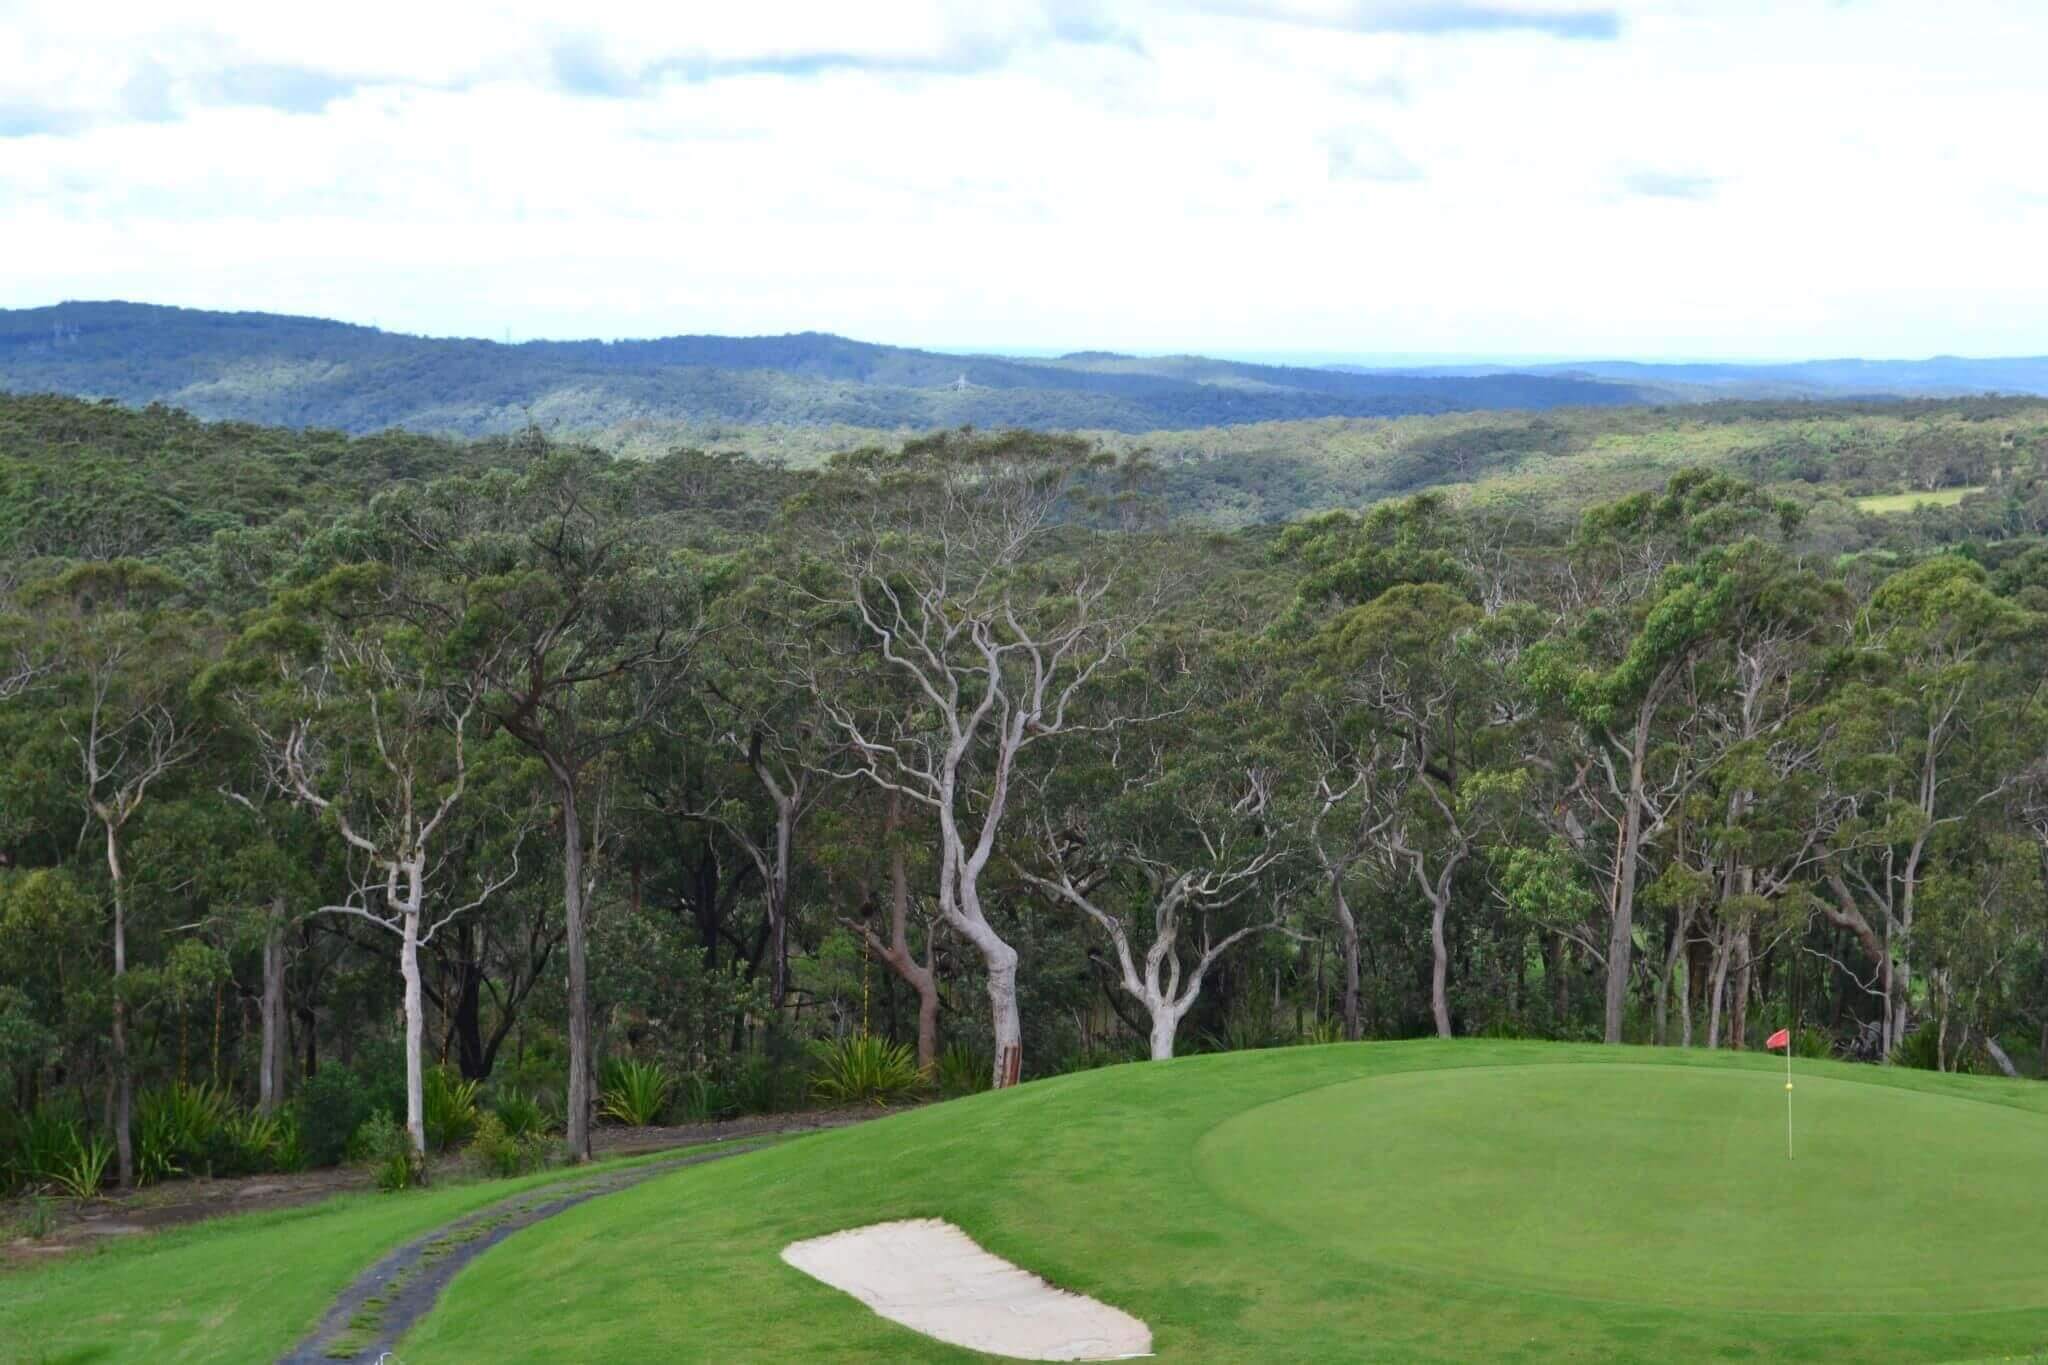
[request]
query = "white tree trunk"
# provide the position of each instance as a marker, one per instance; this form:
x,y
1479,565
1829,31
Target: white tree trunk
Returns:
x,y
580,1087
124,1145
1001,959
415,1019
270,1078
1165,1024
1439,969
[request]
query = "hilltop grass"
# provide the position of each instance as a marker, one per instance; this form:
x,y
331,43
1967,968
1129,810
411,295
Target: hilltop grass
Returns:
x,y
244,1287
1891,504
1414,1201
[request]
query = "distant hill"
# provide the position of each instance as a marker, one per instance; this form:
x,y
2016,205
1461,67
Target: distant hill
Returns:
x,y
308,372
1939,377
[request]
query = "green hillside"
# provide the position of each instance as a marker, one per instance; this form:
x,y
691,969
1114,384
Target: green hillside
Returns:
x,y
295,371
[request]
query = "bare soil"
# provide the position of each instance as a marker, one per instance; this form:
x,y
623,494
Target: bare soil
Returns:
x,y
82,1224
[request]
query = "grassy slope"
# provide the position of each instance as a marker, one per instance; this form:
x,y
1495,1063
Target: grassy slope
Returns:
x,y
1886,504
238,1288
1101,1182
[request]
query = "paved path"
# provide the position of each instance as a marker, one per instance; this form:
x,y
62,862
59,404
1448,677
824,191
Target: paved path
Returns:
x,y
388,1298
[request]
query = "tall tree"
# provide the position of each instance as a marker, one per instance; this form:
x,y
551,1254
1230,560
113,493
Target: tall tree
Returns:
x,y
957,566
1908,735
378,741
547,584
122,655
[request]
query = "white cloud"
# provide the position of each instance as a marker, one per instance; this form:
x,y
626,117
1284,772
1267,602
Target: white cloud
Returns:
x,y
1658,177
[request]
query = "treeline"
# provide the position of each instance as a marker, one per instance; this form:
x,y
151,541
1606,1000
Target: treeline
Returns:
x,y
533,766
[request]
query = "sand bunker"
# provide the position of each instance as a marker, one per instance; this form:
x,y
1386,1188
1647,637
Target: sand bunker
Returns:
x,y
932,1277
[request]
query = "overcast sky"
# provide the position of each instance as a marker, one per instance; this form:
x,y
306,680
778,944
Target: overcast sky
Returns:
x,y
1745,178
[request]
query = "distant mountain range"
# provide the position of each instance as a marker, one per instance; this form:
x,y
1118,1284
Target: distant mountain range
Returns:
x,y
310,372
1939,377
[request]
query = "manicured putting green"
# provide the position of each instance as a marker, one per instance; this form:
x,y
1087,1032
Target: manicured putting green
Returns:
x,y
1657,1185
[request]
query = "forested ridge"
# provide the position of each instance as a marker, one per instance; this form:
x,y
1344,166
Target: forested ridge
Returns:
x,y
346,776
311,372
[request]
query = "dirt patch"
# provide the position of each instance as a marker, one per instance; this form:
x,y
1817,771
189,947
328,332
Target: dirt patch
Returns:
x,y
84,1224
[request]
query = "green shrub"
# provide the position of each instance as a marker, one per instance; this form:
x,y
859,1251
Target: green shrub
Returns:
x,y
379,1137
1245,1027
769,1084
701,1099
1324,1031
635,1093
1920,1050
288,1152
178,1131
36,1144
1813,1043
864,1070
963,1071
503,1153
519,1115
386,1147
333,1104
249,1143
449,1107
84,1170
406,1170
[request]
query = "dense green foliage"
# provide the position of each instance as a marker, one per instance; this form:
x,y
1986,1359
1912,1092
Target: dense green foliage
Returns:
x,y
971,747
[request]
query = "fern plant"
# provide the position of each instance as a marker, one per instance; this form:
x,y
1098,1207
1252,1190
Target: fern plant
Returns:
x,y
864,1070
635,1093
449,1107
520,1115
176,1129
963,1071
82,1173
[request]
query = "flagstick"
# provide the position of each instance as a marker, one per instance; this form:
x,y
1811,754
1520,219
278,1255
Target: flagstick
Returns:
x,y
1788,1098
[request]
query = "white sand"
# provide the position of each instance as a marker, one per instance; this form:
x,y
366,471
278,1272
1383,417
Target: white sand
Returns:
x,y
932,1277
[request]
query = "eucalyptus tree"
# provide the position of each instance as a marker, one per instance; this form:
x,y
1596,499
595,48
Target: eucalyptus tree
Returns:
x,y
852,840
1914,752
766,724
1345,562
550,588
121,653
959,568
1643,611
1415,667
369,728
1189,857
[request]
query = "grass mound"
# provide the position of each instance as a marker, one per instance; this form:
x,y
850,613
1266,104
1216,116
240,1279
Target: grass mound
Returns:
x,y
1417,1201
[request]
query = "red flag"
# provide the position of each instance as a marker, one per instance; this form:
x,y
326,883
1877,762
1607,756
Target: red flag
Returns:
x,y
1782,1038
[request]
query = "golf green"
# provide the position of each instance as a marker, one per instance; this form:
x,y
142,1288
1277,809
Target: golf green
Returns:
x,y
1656,1185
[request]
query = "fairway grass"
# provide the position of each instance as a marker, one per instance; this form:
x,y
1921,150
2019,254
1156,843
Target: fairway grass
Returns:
x,y
239,1288
1401,1201
1891,504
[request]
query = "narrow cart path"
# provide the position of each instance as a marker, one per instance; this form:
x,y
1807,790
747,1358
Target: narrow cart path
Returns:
x,y
371,1315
